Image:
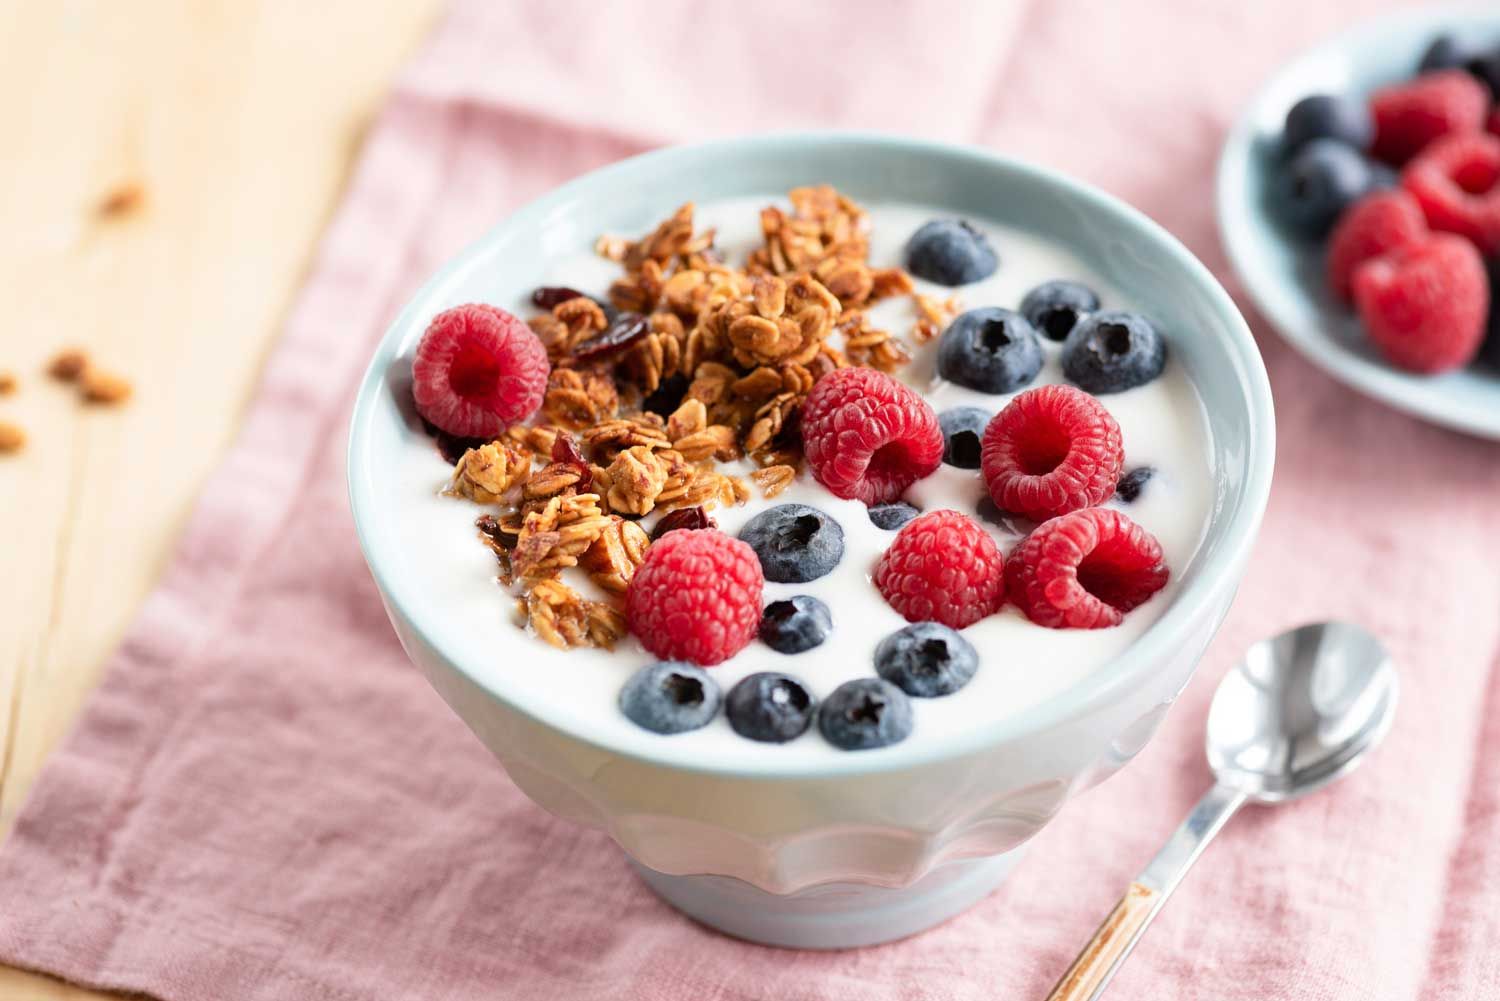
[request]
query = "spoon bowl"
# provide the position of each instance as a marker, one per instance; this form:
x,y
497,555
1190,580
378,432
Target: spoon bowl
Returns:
x,y
1300,710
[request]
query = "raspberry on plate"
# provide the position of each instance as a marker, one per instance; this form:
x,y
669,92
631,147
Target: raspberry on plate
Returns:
x,y
477,370
695,597
942,567
1052,450
1425,306
1410,115
867,437
1456,180
1378,224
1084,570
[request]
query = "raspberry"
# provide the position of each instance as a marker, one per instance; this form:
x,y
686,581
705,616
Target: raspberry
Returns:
x,y
477,370
1457,182
1425,306
867,437
1052,450
1411,115
1084,570
1375,225
695,597
1493,125
942,567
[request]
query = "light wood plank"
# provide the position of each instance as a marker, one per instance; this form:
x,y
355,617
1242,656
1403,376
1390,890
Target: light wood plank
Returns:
x,y
240,122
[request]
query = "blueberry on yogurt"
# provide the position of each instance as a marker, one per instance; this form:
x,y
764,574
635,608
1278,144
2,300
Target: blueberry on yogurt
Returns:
x,y
926,660
890,517
1132,483
1113,352
865,713
1054,308
950,252
991,349
670,697
795,543
795,624
770,707
963,429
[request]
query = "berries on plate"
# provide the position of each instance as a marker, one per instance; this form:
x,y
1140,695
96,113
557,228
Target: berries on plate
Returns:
x,y
1410,115
943,567
1378,224
1113,352
1456,180
477,370
962,429
865,713
926,660
1084,570
867,437
1052,450
950,252
892,516
695,597
670,698
1321,179
770,707
1425,306
1132,483
1054,308
795,624
993,350
794,543
1328,116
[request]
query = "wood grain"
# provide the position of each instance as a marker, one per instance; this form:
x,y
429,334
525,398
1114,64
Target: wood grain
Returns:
x,y
237,124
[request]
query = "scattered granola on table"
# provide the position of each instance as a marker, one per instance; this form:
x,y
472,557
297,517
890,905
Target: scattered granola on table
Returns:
x,y
689,362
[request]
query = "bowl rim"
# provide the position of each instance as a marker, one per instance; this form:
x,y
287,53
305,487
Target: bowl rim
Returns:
x,y
1420,396
1155,646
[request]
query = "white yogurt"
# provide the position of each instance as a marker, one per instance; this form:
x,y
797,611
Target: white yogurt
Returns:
x,y
1021,664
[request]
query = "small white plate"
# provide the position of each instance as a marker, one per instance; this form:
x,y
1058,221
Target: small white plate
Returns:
x,y
1284,275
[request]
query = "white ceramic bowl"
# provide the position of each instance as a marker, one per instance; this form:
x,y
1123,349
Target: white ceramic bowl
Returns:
x,y
878,844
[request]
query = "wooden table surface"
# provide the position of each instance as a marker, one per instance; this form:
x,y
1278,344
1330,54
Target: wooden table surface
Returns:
x,y
237,122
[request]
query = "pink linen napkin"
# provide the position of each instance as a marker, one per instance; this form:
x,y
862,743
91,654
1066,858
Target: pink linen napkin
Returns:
x,y
264,801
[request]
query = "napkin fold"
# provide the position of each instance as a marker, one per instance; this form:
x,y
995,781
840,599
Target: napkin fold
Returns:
x,y
264,801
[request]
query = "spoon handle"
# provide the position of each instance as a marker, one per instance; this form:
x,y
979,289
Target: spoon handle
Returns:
x,y
1102,956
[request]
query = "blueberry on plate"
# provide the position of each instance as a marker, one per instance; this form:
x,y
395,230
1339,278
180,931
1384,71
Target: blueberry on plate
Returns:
x,y
926,659
963,428
770,707
892,516
1328,116
1113,352
1132,483
670,697
950,252
795,543
795,624
1054,308
991,349
1318,183
865,713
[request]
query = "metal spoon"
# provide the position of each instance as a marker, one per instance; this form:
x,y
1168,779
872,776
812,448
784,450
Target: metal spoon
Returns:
x,y
1298,712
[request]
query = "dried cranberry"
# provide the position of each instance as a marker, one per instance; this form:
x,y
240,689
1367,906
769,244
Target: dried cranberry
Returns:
x,y
626,329
489,527
549,296
692,518
565,450
450,446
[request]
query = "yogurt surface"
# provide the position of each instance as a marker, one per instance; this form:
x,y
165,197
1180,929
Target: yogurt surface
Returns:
x,y
1021,664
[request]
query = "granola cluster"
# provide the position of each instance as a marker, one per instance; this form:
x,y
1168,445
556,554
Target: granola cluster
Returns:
x,y
692,362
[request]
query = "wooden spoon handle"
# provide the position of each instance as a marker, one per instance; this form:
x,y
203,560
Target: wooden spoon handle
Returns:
x,y
1108,946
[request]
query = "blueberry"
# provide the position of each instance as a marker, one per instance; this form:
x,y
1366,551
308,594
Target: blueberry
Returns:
x,y
795,624
926,659
795,543
670,697
893,515
1131,484
1318,183
1487,68
1326,116
1445,53
769,706
1489,353
1113,352
865,713
950,252
992,350
1054,308
963,427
